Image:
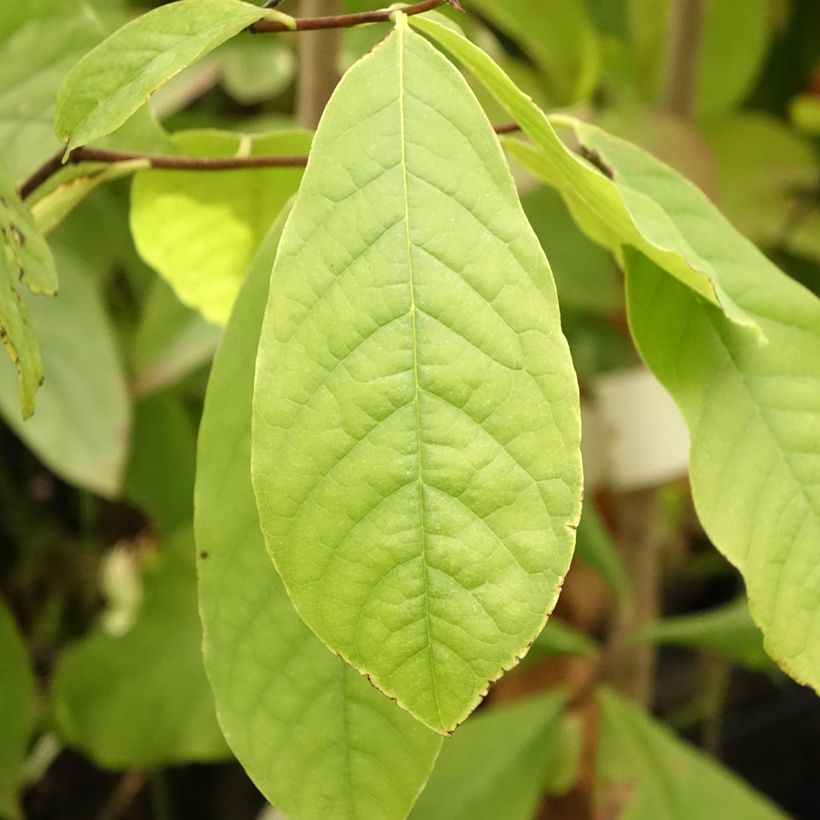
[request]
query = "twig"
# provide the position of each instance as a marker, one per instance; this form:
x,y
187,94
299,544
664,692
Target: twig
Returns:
x,y
686,24
318,65
346,20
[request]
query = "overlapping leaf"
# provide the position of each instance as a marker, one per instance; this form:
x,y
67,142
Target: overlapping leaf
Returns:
x,y
416,423
316,738
200,230
114,79
610,214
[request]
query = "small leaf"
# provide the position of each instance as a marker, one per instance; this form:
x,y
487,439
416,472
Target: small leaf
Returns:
x,y
16,712
24,257
114,79
316,738
494,766
141,698
559,639
753,412
646,773
416,423
613,215
80,429
595,547
200,230
727,631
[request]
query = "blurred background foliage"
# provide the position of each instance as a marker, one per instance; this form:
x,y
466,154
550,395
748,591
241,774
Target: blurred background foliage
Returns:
x,y
112,716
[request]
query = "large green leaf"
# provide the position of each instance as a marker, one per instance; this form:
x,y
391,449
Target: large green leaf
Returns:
x,y
646,773
558,35
495,764
114,79
16,711
80,429
141,698
753,411
39,42
24,257
200,230
316,738
610,213
416,422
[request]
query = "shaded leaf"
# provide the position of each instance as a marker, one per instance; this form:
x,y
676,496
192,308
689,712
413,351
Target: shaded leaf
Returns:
x,y
141,698
420,519
557,638
114,79
494,765
16,712
200,230
350,752
595,547
646,773
80,429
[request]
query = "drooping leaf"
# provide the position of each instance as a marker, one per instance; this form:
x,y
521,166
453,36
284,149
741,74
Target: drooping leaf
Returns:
x,y
646,773
16,712
558,35
753,412
613,215
141,698
494,766
727,631
200,230
24,257
80,429
416,423
39,42
114,79
312,733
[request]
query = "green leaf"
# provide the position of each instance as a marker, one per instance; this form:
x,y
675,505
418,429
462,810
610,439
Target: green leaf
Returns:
x,y
420,519
646,773
610,213
200,230
560,38
350,752
727,631
24,257
753,412
114,79
16,712
39,43
80,429
141,698
159,477
559,639
804,111
595,547
494,765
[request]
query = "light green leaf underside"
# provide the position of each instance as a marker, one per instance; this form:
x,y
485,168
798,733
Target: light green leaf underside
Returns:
x,y
609,213
16,712
416,423
114,79
40,41
646,773
200,230
495,765
24,258
141,699
727,631
312,733
80,429
754,416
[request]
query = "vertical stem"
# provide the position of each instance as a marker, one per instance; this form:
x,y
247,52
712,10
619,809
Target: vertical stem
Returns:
x,y
686,24
318,62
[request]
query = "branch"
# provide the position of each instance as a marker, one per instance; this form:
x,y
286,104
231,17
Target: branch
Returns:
x,y
348,20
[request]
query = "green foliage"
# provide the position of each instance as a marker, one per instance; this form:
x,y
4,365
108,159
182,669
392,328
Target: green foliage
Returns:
x,y
646,773
420,520
129,700
510,746
16,712
351,752
116,77
200,230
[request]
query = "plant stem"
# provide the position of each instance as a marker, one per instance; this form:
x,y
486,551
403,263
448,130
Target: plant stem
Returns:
x,y
318,63
686,24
